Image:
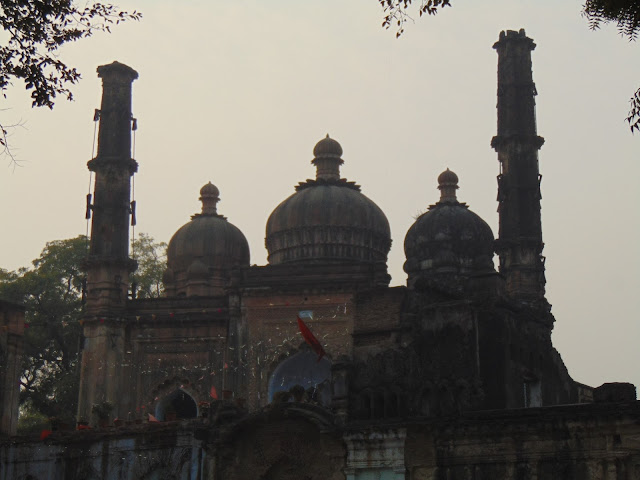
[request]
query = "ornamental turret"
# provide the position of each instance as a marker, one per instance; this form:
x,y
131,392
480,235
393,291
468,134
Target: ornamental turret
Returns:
x,y
520,237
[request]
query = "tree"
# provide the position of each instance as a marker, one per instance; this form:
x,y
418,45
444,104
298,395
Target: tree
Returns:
x,y
52,292
624,13
36,29
152,262
396,11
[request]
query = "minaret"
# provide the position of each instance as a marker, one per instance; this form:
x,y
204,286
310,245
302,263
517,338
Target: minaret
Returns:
x,y
108,264
519,245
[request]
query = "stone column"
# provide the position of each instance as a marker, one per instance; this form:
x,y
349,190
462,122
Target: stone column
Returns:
x,y
520,239
108,264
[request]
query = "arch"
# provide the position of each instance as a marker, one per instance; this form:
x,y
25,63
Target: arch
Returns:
x,y
302,368
177,405
390,404
377,410
402,404
365,404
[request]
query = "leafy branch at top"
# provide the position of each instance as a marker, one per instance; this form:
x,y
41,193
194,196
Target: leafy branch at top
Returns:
x,y
634,113
624,13
36,30
396,11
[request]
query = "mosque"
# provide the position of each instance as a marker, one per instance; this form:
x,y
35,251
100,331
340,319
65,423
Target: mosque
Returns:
x,y
312,367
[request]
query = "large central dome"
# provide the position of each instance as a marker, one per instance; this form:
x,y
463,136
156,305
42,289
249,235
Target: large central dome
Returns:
x,y
327,220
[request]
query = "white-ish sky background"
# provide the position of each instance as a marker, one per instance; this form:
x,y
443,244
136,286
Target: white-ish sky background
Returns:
x,y
239,93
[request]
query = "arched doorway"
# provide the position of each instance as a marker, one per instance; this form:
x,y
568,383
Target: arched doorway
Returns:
x,y
178,405
303,368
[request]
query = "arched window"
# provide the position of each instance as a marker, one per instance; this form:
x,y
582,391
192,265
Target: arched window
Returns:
x,y
390,405
178,405
303,369
365,405
378,405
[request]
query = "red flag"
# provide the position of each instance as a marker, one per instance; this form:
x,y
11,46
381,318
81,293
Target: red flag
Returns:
x,y
311,339
44,434
213,393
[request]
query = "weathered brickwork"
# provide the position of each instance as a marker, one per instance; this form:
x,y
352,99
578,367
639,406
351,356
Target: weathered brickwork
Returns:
x,y
311,367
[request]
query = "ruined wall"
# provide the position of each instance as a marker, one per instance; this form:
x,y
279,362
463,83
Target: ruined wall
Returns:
x,y
11,345
588,442
160,452
303,441
172,345
282,443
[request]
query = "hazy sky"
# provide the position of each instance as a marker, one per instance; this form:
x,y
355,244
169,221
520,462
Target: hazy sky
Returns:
x,y
239,93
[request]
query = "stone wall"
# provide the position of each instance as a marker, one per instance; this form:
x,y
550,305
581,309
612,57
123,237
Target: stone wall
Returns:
x,y
304,441
165,451
598,442
11,345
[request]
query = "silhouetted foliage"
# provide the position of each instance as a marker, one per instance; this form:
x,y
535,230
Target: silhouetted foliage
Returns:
x,y
624,13
34,31
51,291
396,11
634,112
152,262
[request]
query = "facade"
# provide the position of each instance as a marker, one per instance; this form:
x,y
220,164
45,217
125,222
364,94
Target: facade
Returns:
x,y
452,377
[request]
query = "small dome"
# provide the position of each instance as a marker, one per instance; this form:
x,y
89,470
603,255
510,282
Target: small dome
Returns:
x,y
448,238
447,178
209,196
327,147
208,245
328,219
210,190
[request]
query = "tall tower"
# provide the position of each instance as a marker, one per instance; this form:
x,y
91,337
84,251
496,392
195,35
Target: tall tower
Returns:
x,y
519,245
108,264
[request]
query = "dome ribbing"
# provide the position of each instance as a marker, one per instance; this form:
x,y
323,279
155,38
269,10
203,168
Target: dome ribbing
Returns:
x,y
328,219
205,249
448,238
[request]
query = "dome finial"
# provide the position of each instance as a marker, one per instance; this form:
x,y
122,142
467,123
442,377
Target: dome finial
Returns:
x,y
448,184
209,196
327,153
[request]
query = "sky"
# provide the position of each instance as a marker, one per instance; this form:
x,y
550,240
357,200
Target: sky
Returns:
x,y
238,93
